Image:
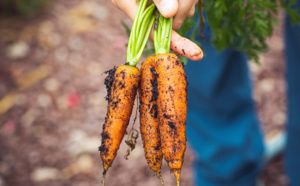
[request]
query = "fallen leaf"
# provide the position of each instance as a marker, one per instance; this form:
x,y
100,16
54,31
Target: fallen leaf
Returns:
x,y
33,77
7,102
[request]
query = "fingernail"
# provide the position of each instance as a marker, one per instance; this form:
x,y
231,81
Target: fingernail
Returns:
x,y
197,56
168,8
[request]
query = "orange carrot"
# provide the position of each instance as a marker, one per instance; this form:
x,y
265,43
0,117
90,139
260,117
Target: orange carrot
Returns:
x,y
172,98
172,109
122,94
163,109
148,117
122,87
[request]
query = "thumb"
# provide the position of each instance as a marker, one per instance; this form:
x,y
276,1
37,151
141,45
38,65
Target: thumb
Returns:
x,y
167,8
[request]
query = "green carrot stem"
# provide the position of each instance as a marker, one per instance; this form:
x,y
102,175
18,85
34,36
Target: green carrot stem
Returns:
x,y
155,39
146,17
170,33
130,46
140,32
143,4
144,43
164,27
162,36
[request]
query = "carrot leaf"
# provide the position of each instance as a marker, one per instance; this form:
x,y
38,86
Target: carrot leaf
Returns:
x,y
162,35
140,32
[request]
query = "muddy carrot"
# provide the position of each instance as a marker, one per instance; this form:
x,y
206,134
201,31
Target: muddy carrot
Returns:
x,y
172,110
172,98
122,94
122,87
148,117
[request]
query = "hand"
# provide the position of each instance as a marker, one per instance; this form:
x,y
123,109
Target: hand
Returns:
x,y
181,9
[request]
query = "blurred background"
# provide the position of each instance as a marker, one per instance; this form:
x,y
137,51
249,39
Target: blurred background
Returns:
x,y
52,107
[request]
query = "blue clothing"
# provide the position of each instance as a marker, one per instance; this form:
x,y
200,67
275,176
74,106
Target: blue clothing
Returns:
x,y
292,153
222,124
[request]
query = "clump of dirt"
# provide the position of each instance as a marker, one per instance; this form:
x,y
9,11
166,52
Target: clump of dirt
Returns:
x,y
104,136
154,85
171,125
109,81
153,110
166,116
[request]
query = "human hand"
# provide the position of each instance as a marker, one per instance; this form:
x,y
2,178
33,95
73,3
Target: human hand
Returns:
x,y
181,9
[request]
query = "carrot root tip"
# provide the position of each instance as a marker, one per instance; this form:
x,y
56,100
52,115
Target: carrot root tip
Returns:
x,y
177,176
160,178
178,183
103,180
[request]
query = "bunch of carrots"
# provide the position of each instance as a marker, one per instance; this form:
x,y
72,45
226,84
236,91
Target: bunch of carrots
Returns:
x,y
162,87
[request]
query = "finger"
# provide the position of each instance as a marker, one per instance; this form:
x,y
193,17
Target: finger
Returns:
x,y
128,7
167,8
183,12
191,13
185,47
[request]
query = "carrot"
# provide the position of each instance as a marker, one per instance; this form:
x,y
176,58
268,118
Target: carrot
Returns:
x,y
148,117
172,98
121,99
172,109
122,87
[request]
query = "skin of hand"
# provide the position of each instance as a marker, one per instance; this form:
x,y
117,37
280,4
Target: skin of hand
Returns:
x,y
180,10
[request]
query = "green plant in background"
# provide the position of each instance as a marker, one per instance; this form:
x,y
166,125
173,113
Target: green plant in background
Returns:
x,y
22,7
242,25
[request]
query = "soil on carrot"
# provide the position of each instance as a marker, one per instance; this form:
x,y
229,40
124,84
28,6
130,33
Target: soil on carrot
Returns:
x,y
154,92
104,136
109,81
153,110
166,116
55,105
154,89
171,125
